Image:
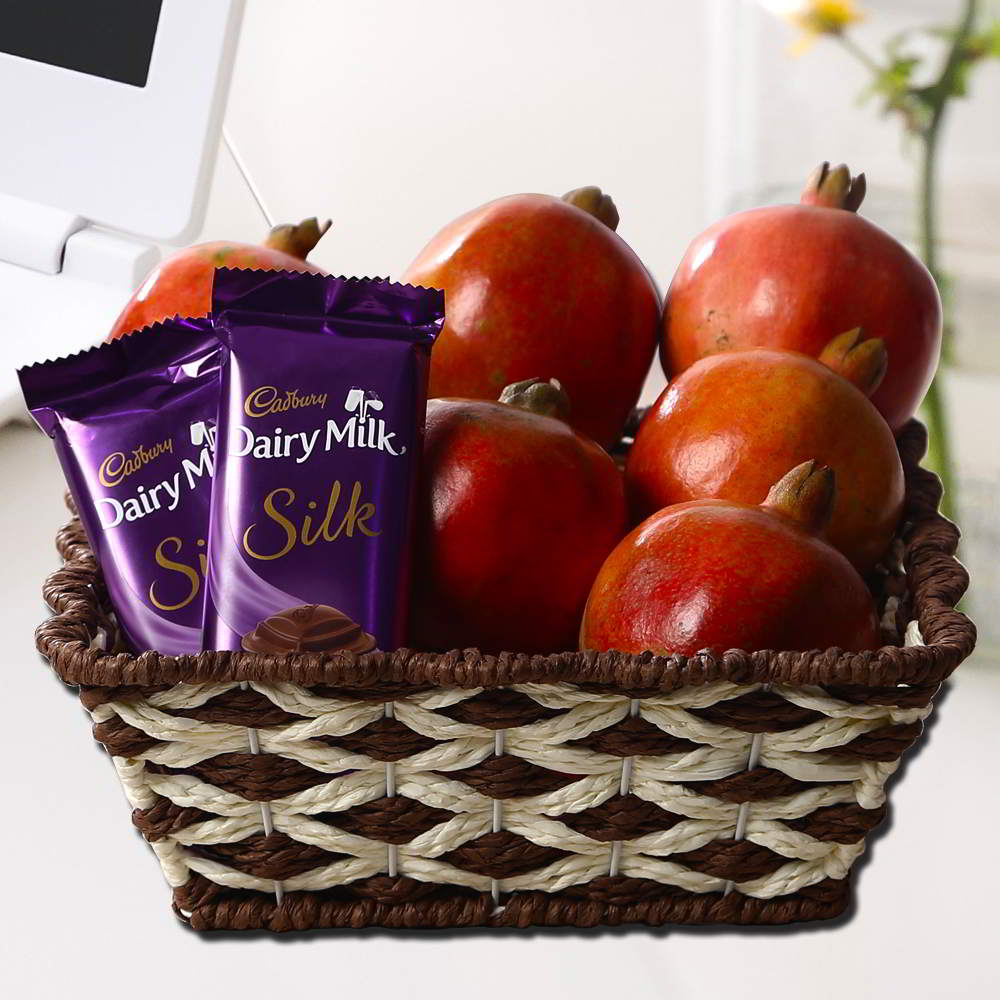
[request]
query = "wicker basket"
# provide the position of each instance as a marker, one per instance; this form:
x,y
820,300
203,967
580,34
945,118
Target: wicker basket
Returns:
x,y
422,790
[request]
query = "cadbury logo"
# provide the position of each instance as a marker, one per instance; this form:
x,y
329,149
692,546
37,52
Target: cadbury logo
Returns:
x,y
165,495
360,430
119,466
268,399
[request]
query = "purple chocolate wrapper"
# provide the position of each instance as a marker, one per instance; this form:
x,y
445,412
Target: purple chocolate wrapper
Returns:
x,y
134,425
321,419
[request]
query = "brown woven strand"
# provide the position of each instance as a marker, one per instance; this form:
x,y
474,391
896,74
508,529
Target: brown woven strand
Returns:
x,y
614,903
893,677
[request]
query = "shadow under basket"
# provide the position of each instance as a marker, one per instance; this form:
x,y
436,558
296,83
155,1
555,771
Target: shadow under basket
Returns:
x,y
414,789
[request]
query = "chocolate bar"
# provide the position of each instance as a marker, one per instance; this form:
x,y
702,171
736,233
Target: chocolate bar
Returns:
x,y
323,395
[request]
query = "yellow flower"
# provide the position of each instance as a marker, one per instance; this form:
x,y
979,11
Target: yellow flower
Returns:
x,y
822,17
827,17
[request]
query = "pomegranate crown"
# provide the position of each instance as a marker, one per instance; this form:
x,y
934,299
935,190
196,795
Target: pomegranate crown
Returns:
x,y
805,495
297,239
862,362
546,398
834,187
596,203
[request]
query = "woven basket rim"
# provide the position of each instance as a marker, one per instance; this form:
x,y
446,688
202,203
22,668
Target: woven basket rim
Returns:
x,y
935,578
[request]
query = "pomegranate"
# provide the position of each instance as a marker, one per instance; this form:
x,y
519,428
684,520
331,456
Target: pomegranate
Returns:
x,y
516,514
542,286
794,276
732,423
713,574
182,284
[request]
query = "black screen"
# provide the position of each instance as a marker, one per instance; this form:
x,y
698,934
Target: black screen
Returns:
x,y
108,38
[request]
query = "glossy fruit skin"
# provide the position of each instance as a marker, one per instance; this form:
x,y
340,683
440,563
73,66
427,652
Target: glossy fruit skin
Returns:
x,y
794,276
715,575
537,287
515,516
182,284
732,424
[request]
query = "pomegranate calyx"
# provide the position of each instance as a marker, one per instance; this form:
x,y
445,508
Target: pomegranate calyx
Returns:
x,y
805,495
834,188
546,398
297,239
862,362
594,202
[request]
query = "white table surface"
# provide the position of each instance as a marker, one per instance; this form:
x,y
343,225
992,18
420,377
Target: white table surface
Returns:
x,y
86,912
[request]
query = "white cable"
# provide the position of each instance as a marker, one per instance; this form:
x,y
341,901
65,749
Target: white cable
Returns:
x,y
498,749
265,807
247,178
753,759
390,793
623,790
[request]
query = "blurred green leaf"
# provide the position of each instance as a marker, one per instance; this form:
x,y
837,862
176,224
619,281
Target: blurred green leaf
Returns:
x,y
893,79
984,44
947,32
893,84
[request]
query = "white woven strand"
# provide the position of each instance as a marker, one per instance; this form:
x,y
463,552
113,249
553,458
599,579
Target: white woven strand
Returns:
x,y
565,695
818,700
623,790
132,774
305,703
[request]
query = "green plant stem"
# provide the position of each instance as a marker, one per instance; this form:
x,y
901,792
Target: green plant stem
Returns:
x,y
939,455
859,53
936,98
935,412
927,129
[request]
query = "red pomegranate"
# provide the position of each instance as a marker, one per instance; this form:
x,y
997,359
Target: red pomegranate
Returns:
x,y
542,286
794,276
182,284
712,574
516,514
732,423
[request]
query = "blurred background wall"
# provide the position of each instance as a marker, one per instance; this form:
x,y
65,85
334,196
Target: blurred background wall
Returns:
x,y
392,117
